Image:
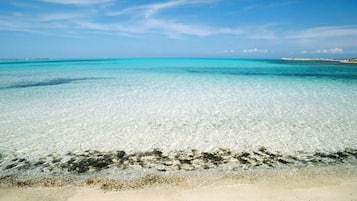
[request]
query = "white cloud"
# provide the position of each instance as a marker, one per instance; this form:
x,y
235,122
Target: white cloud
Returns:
x,y
304,52
19,24
77,2
108,27
315,40
139,20
147,16
177,28
335,50
325,32
150,10
266,5
149,19
145,19
255,50
229,51
61,16
330,51
173,29
261,31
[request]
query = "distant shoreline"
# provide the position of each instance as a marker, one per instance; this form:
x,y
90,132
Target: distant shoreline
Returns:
x,y
342,61
303,59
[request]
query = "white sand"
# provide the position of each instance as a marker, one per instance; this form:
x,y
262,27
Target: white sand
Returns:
x,y
340,191
324,186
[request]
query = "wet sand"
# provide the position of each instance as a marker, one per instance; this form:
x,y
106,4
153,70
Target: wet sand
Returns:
x,y
303,184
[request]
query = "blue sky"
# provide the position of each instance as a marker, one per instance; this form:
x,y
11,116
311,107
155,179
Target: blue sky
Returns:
x,y
178,28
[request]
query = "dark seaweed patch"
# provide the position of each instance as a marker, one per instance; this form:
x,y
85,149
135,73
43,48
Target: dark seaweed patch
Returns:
x,y
120,154
352,152
85,162
212,157
38,163
334,72
57,81
94,161
283,161
10,166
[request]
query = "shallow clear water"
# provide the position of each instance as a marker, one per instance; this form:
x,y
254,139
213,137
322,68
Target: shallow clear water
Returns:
x,y
61,106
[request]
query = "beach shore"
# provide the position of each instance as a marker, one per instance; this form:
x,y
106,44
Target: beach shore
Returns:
x,y
321,184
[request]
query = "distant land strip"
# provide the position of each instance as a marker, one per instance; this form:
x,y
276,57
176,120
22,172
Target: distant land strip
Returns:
x,y
343,61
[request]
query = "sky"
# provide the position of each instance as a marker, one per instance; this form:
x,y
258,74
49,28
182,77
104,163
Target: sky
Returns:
x,y
178,28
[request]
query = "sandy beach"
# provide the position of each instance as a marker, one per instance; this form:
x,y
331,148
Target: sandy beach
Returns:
x,y
314,184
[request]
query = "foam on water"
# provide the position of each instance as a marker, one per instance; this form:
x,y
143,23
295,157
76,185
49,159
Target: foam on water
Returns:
x,y
136,105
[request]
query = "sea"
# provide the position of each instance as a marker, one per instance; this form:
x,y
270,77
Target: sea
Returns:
x,y
127,117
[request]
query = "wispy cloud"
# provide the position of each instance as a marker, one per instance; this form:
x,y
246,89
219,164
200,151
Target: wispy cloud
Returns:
x,y
172,29
40,25
115,28
139,20
150,19
330,51
19,23
324,40
149,10
335,50
261,31
77,2
175,29
146,19
62,16
229,51
325,32
269,5
255,50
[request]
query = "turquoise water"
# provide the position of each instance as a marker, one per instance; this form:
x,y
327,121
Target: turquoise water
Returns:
x,y
57,107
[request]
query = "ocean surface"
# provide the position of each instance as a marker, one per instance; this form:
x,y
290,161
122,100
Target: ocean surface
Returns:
x,y
169,115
